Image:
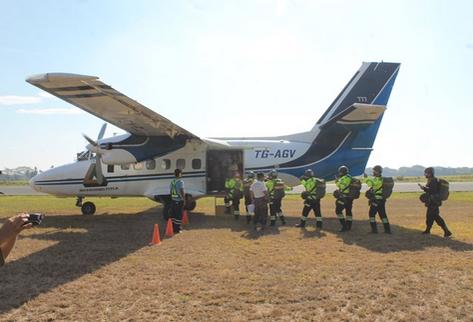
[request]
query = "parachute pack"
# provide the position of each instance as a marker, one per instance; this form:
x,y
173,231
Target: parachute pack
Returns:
x,y
388,185
320,190
444,189
355,187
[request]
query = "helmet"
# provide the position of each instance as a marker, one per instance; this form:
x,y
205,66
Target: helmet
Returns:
x,y
343,170
429,170
273,174
378,169
309,173
251,175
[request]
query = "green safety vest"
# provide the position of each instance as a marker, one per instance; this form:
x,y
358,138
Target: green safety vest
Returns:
x,y
174,193
310,185
376,183
343,184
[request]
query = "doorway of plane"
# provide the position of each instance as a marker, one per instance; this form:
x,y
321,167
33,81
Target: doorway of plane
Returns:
x,y
222,164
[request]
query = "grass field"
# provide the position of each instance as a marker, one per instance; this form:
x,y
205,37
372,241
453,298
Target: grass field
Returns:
x,y
101,267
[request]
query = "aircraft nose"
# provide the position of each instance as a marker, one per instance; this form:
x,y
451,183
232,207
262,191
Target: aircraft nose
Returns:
x,y
33,183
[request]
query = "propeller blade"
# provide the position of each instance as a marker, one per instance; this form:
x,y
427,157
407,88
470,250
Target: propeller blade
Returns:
x,y
92,142
102,132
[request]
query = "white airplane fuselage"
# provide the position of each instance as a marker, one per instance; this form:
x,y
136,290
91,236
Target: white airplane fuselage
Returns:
x,y
150,178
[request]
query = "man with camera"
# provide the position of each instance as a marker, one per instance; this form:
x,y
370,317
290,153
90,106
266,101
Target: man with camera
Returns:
x,y
9,232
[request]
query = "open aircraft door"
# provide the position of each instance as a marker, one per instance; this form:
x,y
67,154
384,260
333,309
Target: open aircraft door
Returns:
x,y
222,164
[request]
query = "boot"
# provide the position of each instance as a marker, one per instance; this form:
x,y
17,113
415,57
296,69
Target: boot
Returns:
x,y
387,228
344,225
374,228
348,224
447,233
426,231
301,224
283,220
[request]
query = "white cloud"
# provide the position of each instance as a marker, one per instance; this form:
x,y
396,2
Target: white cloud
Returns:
x,y
19,100
45,95
51,111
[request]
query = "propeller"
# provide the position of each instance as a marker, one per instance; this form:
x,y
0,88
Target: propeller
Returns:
x,y
95,148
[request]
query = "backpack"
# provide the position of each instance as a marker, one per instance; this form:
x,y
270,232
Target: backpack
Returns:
x,y
355,187
388,185
320,190
443,189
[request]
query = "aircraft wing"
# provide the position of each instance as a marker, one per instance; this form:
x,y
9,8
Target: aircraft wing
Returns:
x,y
103,101
357,115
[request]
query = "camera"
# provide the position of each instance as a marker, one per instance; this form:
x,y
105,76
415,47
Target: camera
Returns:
x,y
35,219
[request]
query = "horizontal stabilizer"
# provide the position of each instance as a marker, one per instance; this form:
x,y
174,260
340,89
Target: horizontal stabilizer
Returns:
x,y
356,116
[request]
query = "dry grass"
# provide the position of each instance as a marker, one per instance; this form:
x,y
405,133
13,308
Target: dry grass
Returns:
x,y
100,267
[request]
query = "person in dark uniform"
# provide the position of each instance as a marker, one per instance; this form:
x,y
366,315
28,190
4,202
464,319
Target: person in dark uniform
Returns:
x,y
234,188
311,202
377,202
276,191
344,201
250,179
433,203
178,200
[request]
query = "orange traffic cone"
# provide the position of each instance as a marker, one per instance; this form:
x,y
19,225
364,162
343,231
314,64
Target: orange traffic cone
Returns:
x,y
156,240
185,218
169,229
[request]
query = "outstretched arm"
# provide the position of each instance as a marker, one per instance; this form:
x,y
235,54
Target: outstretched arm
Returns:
x,y
10,230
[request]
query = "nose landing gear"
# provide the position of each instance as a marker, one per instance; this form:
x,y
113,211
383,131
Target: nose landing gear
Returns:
x,y
87,208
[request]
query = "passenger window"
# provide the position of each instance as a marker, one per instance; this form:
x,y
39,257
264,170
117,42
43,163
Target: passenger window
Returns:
x,y
180,164
125,166
196,163
110,168
150,164
138,166
166,164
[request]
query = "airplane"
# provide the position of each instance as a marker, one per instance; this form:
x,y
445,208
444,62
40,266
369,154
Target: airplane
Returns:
x,y
142,161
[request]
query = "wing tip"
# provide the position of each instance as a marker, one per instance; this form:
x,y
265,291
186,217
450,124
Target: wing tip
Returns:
x,y
63,77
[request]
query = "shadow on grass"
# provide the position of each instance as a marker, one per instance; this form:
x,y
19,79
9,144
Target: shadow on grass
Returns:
x,y
402,238
86,244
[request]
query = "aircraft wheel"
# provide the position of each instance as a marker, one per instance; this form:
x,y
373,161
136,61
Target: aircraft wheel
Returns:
x,y
88,208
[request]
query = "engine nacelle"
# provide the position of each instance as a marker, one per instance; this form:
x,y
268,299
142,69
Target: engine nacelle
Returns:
x,y
118,156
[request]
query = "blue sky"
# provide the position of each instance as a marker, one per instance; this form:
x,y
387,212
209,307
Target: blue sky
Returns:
x,y
239,68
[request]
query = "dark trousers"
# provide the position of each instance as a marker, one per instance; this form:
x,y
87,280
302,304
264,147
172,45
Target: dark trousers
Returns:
x,y
378,206
248,214
235,204
347,205
275,210
261,211
433,214
312,204
176,215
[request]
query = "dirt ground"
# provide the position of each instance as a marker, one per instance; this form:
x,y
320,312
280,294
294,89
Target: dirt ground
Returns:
x,y
101,268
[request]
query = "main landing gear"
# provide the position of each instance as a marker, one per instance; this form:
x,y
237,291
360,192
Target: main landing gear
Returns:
x,y
87,208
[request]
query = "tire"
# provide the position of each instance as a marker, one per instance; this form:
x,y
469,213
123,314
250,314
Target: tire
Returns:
x,y
88,208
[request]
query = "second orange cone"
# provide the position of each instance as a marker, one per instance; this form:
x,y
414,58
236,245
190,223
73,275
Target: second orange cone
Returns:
x,y
156,240
169,229
185,218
